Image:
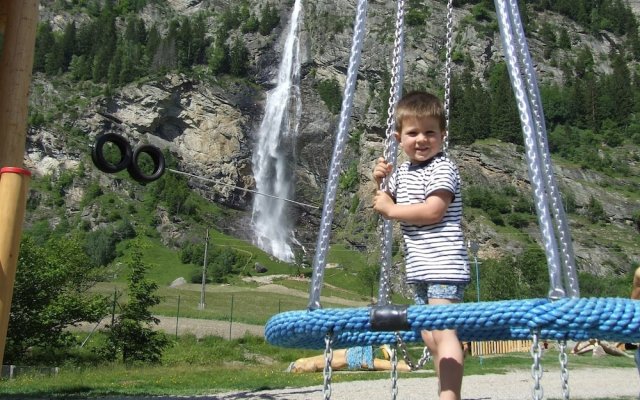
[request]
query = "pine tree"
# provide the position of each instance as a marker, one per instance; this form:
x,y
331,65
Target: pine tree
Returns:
x,y
183,39
68,44
620,91
199,42
153,42
219,57
132,336
238,58
45,41
505,123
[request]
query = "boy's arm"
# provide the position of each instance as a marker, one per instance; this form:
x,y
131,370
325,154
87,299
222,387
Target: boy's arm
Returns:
x,y
430,212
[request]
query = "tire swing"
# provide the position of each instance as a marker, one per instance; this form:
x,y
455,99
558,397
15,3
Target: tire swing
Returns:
x,y
129,159
563,315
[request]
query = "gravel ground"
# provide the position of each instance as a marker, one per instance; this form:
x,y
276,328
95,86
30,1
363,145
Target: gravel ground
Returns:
x,y
613,383
596,383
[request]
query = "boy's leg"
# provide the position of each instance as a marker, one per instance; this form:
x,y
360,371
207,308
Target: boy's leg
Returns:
x,y
449,363
429,341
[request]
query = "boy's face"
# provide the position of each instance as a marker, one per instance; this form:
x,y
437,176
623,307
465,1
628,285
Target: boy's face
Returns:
x,y
421,138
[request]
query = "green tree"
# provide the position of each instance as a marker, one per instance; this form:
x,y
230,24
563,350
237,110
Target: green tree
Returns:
x,y
183,38
238,58
199,43
564,41
68,43
79,68
619,92
532,265
51,293
595,211
100,246
153,42
498,281
330,93
219,57
131,336
45,41
505,123
269,19
369,275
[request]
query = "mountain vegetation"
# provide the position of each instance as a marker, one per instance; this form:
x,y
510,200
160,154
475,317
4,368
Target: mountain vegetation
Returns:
x,y
91,55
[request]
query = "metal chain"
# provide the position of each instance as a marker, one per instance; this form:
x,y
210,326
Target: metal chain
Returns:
x,y
322,244
559,216
426,356
564,371
395,91
391,153
328,358
394,373
534,166
536,367
447,74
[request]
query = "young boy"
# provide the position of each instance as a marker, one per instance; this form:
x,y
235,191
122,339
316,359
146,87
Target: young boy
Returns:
x,y
424,195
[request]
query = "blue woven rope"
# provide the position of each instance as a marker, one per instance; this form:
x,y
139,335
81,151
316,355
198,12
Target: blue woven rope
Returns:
x,y
614,319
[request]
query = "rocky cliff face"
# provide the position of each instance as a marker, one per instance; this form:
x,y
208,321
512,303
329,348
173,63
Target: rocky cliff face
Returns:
x,y
210,124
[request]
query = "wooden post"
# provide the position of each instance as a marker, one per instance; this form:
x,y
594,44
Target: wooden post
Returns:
x,y
13,195
19,23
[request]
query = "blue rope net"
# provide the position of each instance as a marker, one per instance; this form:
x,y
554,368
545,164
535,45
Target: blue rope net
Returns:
x,y
614,319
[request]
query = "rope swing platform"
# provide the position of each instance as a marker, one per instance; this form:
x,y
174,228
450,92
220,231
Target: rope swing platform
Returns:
x,y
614,319
563,316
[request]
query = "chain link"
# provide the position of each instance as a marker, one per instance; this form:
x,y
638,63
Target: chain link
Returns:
x,y
447,74
536,367
328,358
567,256
564,370
426,356
324,233
390,154
394,373
397,76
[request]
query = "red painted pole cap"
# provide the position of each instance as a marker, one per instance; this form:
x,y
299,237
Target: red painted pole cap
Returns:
x,y
15,170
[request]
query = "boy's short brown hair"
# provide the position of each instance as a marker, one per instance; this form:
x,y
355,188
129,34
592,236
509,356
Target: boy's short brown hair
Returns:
x,y
419,104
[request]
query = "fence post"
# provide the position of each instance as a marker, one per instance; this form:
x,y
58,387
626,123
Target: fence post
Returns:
x,y
177,316
231,317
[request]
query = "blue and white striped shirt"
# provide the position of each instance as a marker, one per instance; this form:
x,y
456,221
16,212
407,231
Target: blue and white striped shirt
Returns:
x,y
436,252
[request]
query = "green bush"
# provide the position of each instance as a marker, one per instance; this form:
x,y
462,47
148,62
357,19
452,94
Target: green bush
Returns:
x,y
330,93
595,211
518,220
349,178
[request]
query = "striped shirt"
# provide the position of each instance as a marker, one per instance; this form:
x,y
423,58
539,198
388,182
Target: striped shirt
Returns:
x,y
436,252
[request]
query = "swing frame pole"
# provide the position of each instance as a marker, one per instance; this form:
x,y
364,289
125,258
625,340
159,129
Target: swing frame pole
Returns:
x,y
18,22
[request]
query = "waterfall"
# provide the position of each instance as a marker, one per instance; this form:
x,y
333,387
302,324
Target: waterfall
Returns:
x,y
273,157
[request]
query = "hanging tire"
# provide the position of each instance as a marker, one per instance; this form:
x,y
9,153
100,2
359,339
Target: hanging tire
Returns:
x,y
97,153
158,164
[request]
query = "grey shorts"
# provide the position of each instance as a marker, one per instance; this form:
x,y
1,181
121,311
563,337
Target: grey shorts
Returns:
x,y
424,291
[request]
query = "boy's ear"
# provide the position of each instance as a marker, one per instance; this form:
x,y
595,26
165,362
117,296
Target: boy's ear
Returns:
x,y
396,134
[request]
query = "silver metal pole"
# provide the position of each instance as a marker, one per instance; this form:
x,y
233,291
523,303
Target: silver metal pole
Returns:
x,y
204,272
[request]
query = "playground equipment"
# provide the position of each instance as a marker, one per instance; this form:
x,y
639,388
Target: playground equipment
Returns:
x,y
561,316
